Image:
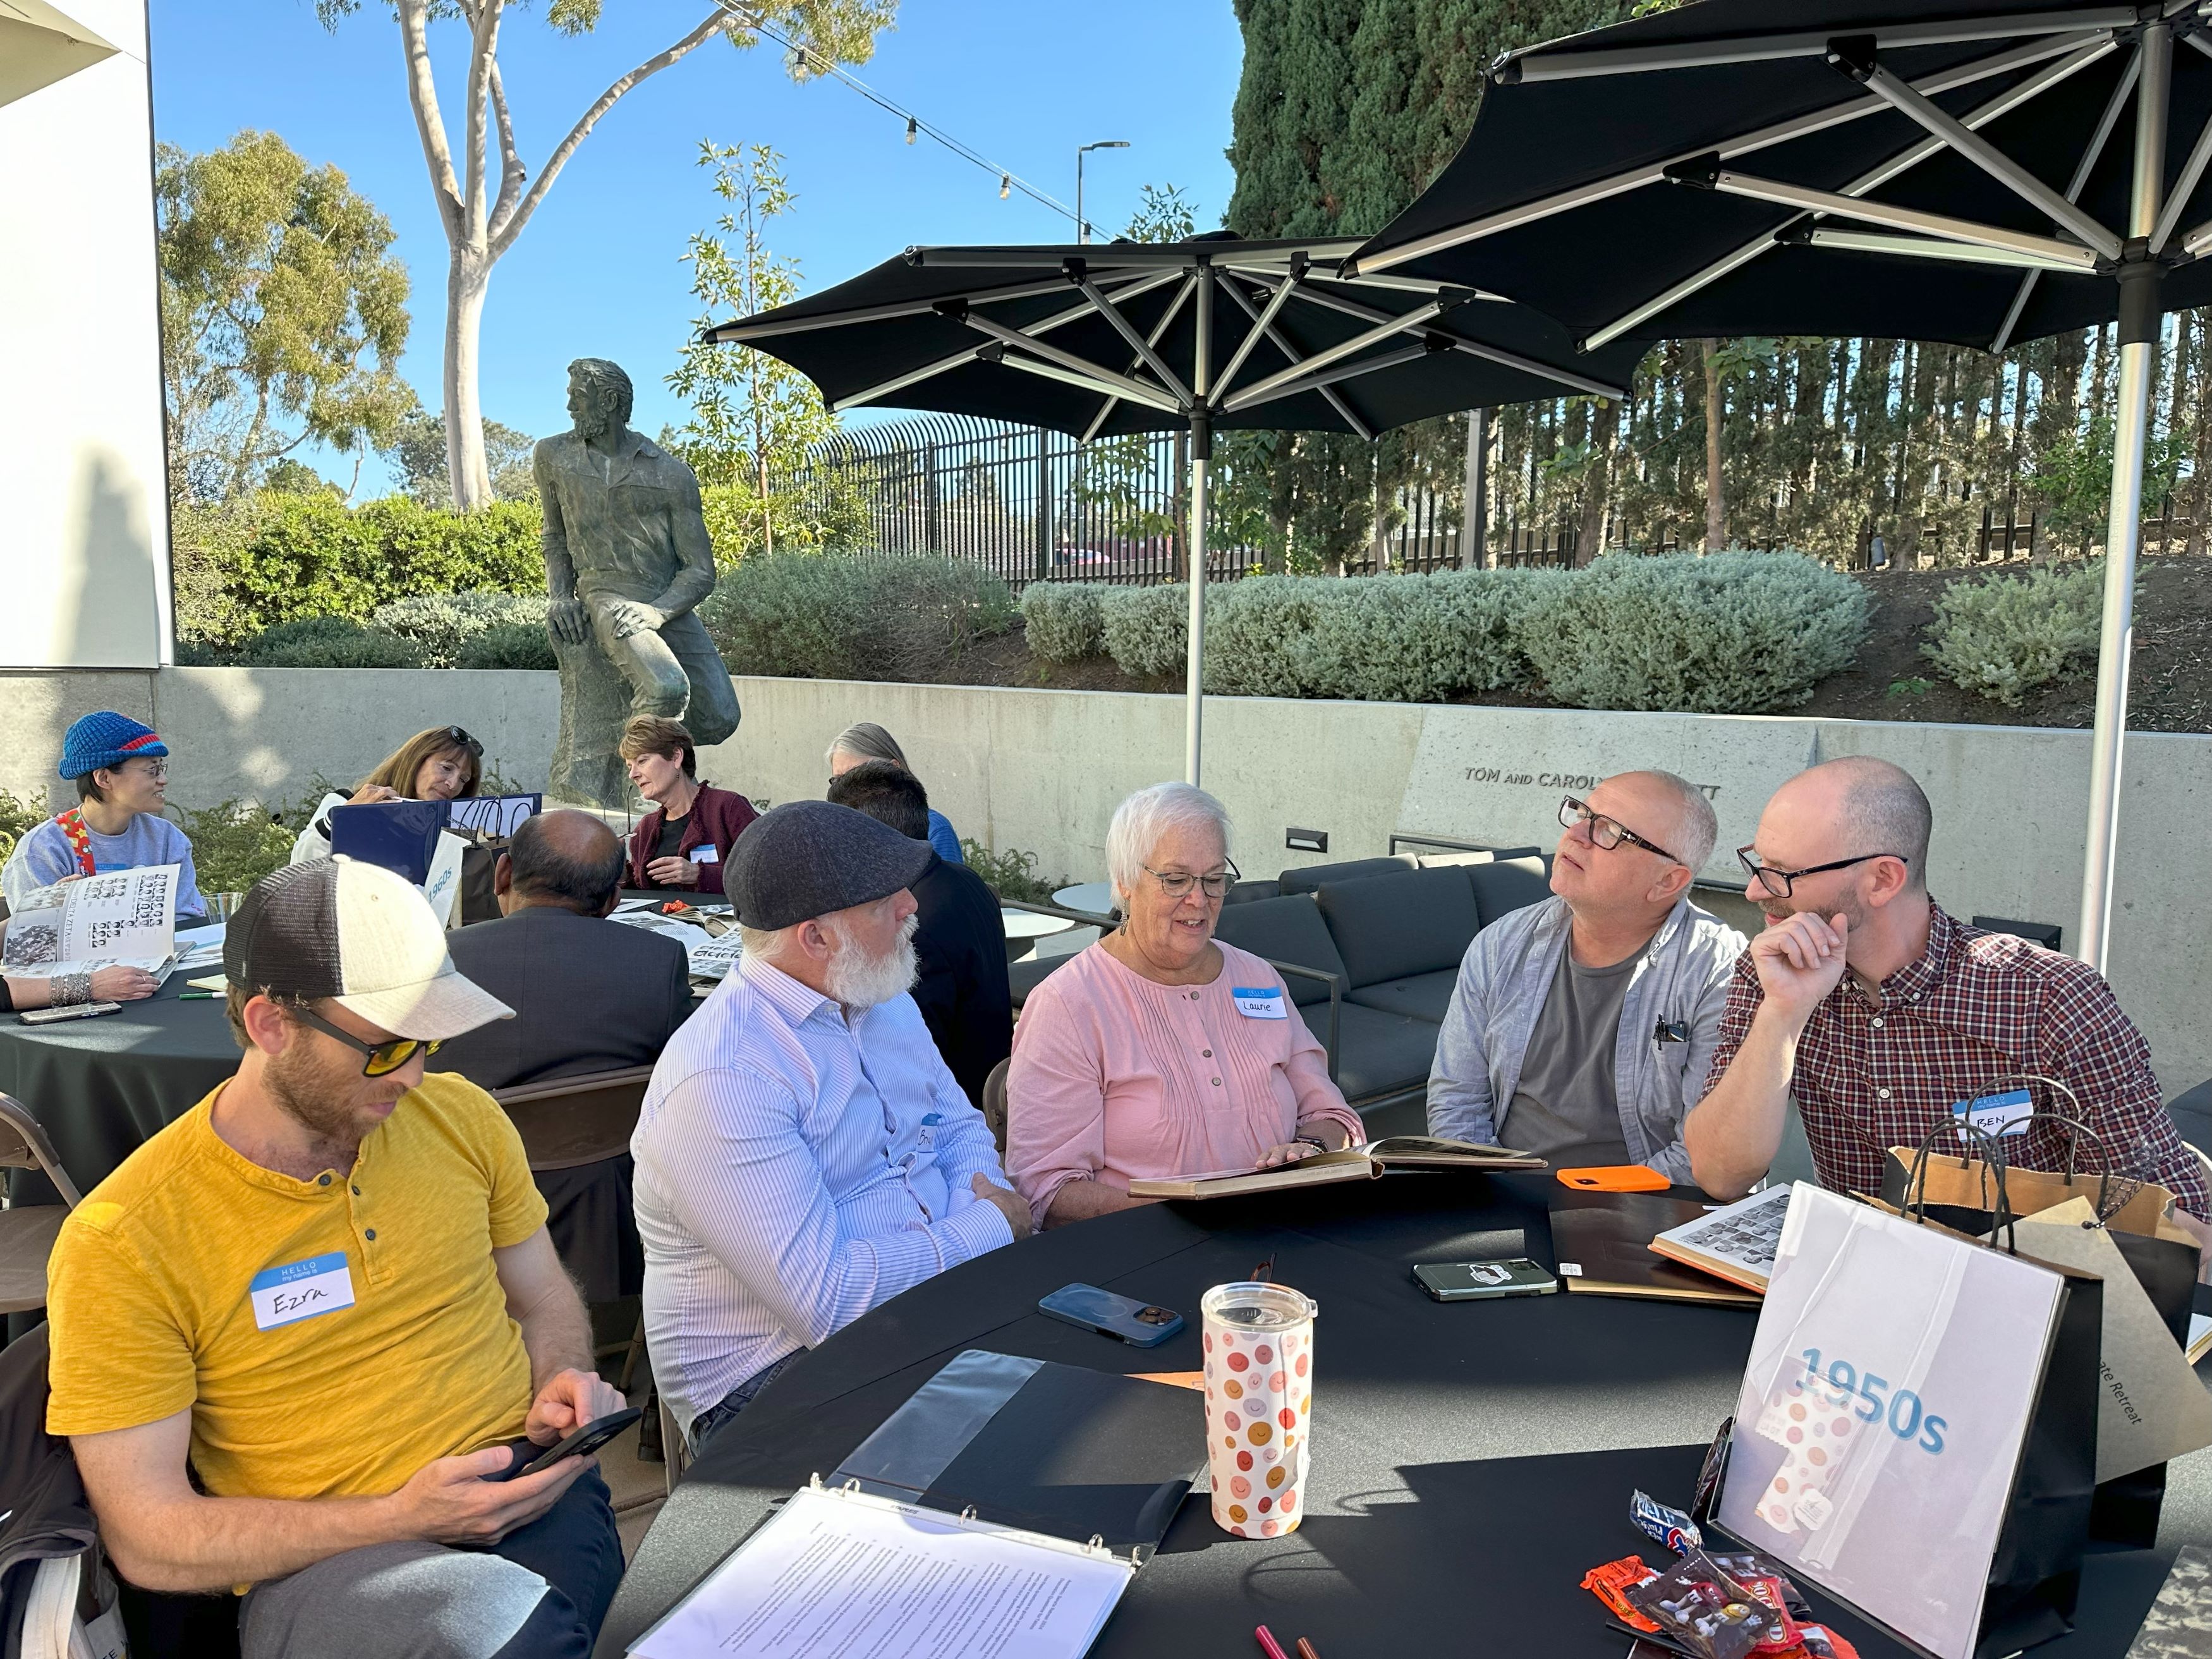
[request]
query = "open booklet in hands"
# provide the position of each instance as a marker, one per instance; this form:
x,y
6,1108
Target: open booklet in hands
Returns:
x,y
1353,1164
118,918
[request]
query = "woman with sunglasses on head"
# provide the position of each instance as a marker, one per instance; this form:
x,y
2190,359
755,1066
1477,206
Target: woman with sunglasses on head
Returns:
x,y
1161,1051
442,763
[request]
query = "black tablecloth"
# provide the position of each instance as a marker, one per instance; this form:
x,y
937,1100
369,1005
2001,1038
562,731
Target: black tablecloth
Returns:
x,y
101,1087
1471,1461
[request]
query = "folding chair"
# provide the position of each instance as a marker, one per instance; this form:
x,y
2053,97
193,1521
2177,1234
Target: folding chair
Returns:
x,y
27,1236
573,1121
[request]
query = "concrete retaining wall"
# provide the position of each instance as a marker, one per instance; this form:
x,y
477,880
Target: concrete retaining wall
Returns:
x,y
1042,770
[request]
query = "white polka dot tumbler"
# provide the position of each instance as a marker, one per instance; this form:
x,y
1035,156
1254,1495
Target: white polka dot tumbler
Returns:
x,y
1259,1406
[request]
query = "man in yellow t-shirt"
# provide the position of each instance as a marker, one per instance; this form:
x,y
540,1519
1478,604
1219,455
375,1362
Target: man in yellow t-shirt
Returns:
x,y
327,1293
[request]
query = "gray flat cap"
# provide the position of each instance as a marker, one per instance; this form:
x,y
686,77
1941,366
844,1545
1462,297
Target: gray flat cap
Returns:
x,y
807,858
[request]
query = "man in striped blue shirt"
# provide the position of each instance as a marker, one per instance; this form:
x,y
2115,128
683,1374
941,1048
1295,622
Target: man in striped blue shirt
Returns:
x,y
803,1154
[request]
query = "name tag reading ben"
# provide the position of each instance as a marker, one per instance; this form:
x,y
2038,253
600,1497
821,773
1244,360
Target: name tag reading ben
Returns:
x,y
705,853
1995,1114
300,1290
1264,1003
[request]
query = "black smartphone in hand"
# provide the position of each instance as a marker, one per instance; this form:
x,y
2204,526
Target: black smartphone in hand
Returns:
x,y
533,1459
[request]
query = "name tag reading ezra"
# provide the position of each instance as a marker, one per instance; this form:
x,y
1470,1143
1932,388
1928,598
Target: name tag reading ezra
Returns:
x,y
1265,1003
2002,1114
705,853
300,1290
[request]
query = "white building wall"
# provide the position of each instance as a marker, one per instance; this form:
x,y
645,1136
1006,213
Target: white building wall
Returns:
x,y
84,533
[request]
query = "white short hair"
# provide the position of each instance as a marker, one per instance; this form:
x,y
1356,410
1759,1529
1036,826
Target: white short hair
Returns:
x,y
1141,820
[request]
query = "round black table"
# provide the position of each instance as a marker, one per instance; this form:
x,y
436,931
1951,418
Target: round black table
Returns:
x,y
100,1087
1471,1461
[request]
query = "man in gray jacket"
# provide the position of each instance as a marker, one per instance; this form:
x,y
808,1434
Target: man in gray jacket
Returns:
x,y
1581,1027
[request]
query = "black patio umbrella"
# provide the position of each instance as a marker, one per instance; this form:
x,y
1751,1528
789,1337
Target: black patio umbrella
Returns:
x,y
1214,333
1980,172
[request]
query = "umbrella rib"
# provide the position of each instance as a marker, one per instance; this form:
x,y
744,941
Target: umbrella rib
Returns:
x,y
1098,378
1418,316
1474,230
1137,343
1901,218
1924,247
1051,371
1275,386
1955,134
2082,169
1276,339
912,376
745,330
2050,76
2192,172
1159,331
1262,327
1540,65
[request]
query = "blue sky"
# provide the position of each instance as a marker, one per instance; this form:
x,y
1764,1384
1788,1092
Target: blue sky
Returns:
x,y
597,272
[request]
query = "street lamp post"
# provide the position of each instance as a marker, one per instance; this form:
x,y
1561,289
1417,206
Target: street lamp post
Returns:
x,y
1082,225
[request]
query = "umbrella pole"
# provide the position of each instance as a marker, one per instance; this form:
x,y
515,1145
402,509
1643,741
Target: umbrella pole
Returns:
x,y
2141,318
1202,449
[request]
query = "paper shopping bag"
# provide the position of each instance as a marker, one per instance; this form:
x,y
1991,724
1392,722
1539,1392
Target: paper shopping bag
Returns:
x,y
1916,1429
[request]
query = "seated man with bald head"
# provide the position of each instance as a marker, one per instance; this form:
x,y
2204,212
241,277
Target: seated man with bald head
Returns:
x,y
1881,1014
1581,1027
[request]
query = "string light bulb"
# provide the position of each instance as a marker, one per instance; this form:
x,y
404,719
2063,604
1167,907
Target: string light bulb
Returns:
x,y
912,126
1005,186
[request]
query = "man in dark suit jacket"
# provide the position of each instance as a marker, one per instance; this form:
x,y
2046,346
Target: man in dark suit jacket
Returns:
x,y
958,936
588,995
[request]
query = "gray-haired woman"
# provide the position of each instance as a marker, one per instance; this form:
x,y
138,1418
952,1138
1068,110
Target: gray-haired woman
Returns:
x,y
868,741
1160,1051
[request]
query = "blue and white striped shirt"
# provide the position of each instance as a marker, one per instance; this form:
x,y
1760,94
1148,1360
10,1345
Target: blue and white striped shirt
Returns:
x,y
794,1170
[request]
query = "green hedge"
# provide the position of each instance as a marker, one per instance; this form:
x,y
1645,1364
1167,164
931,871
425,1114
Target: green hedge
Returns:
x,y
276,557
1064,622
2007,635
826,616
451,628
329,642
1736,633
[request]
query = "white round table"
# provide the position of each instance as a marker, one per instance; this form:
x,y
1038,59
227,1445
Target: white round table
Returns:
x,y
1025,928
1095,896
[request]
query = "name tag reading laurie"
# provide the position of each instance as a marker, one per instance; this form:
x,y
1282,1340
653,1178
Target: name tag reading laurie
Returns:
x,y
1995,1114
1265,1003
300,1290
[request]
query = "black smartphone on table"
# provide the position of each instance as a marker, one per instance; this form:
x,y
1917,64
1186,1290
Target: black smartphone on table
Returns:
x,y
530,1458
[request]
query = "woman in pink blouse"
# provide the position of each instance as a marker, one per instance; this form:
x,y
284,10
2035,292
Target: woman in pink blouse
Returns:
x,y
1160,1051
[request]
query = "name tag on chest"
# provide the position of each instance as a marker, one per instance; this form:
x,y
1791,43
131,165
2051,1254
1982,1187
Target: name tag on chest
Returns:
x,y
1264,1003
704,854
1994,1114
300,1290
925,1138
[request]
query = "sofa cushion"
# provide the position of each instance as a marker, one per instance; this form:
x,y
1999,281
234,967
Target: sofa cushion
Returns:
x,y
1285,929
1376,1053
1506,884
1307,876
1244,892
1424,996
1418,921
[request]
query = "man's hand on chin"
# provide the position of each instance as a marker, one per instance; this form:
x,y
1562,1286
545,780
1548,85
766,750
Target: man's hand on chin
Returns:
x,y
570,1400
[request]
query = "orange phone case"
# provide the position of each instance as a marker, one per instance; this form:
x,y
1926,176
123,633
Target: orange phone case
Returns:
x,y
1614,1178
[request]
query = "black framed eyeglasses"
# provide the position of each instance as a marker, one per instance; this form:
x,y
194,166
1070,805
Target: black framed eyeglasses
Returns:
x,y
1177,882
1608,832
464,740
379,1059
1776,882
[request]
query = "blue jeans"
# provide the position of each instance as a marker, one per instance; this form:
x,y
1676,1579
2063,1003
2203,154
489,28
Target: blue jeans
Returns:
x,y
541,1591
704,1425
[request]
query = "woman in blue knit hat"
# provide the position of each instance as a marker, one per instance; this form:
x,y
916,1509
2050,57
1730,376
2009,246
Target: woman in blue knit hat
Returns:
x,y
121,770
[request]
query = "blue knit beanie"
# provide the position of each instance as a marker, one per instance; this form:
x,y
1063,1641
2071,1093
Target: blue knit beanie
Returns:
x,y
106,738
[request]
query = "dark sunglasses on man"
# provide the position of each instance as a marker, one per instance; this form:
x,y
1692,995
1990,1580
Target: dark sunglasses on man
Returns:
x,y
379,1059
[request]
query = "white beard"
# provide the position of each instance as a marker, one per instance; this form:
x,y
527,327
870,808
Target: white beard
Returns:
x,y
860,981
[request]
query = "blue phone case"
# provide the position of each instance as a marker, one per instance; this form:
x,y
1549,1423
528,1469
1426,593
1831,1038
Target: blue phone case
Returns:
x,y
1118,1317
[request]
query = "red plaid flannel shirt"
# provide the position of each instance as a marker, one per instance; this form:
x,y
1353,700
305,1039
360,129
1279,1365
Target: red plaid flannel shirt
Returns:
x,y
1976,1014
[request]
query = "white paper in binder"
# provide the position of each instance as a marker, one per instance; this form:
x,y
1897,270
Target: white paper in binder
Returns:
x,y
840,1570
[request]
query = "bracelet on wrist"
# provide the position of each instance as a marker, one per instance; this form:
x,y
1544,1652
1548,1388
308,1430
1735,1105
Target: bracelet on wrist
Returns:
x,y
1316,1143
65,990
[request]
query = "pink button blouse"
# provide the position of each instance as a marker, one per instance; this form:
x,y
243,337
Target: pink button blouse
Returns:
x,y
1117,1079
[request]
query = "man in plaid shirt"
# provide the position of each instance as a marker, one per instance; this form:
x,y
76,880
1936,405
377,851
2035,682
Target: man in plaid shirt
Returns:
x,y
1880,1012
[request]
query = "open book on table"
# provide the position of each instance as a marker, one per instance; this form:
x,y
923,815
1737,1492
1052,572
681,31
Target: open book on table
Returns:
x,y
125,918
1353,1164
1735,1243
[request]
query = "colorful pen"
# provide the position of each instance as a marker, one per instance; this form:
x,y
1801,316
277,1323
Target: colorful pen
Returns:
x,y
1307,1651
193,996
1269,1644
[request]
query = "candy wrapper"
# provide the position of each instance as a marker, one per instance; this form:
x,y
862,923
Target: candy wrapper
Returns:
x,y
1611,1583
1662,1524
1822,1642
1744,1565
1701,1609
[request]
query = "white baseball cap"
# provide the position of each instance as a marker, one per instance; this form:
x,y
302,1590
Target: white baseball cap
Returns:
x,y
360,936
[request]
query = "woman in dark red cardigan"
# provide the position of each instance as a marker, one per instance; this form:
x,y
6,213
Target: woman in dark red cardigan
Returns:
x,y
683,842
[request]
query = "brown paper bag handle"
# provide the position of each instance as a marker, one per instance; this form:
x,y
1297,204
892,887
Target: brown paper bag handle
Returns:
x,y
1988,1150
